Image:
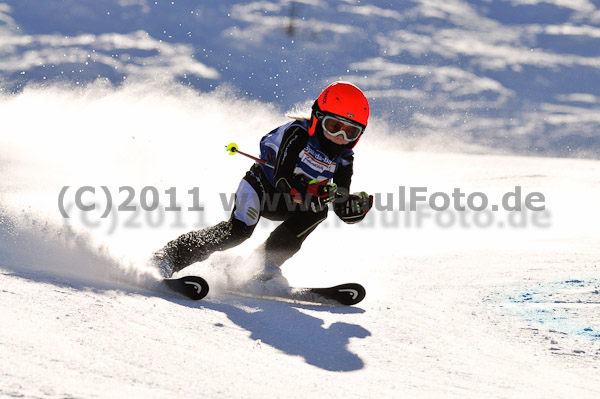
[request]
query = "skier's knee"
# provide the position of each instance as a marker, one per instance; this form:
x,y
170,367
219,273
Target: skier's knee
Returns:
x,y
240,231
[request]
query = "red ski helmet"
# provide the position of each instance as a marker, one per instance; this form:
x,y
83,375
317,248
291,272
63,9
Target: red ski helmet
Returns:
x,y
342,99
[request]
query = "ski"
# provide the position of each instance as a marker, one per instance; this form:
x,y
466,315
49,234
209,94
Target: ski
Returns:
x,y
193,287
347,294
196,288
344,294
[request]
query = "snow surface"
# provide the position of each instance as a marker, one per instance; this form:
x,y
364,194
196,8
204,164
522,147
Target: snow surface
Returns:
x,y
453,311
459,304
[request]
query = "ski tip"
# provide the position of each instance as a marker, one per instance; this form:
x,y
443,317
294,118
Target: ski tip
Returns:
x,y
346,294
193,287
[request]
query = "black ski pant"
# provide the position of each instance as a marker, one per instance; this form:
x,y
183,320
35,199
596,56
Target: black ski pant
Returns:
x,y
281,244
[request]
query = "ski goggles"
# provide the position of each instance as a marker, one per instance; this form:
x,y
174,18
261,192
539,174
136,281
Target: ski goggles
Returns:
x,y
335,126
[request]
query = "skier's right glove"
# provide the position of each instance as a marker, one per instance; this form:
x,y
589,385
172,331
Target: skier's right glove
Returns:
x,y
317,195
355,208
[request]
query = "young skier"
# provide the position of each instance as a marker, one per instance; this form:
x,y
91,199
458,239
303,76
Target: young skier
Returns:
x,y
310,164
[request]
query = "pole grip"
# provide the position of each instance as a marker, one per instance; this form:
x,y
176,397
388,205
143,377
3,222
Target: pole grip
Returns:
x,y
233,149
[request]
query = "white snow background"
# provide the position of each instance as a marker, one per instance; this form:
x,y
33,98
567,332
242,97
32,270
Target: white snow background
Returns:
x,y
484,96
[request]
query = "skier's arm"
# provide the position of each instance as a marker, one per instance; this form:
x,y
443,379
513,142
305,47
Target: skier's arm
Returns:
x,y
292,143
314,195
350,208
343,176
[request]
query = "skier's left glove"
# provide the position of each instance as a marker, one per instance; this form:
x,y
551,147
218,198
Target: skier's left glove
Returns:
x,y
355,208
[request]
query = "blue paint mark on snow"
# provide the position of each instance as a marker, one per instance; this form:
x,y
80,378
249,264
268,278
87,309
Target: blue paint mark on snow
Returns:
x,y
570,307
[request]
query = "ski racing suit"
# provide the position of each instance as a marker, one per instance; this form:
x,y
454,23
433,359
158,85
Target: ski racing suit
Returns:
x,y
298,159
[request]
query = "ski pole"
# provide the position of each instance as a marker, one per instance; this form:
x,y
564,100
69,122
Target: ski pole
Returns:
x,y
232,149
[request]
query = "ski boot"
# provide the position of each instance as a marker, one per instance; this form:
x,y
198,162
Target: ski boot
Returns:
x,y
271,275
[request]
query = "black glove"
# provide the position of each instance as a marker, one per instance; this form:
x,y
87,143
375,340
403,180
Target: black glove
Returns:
x,y
355,208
